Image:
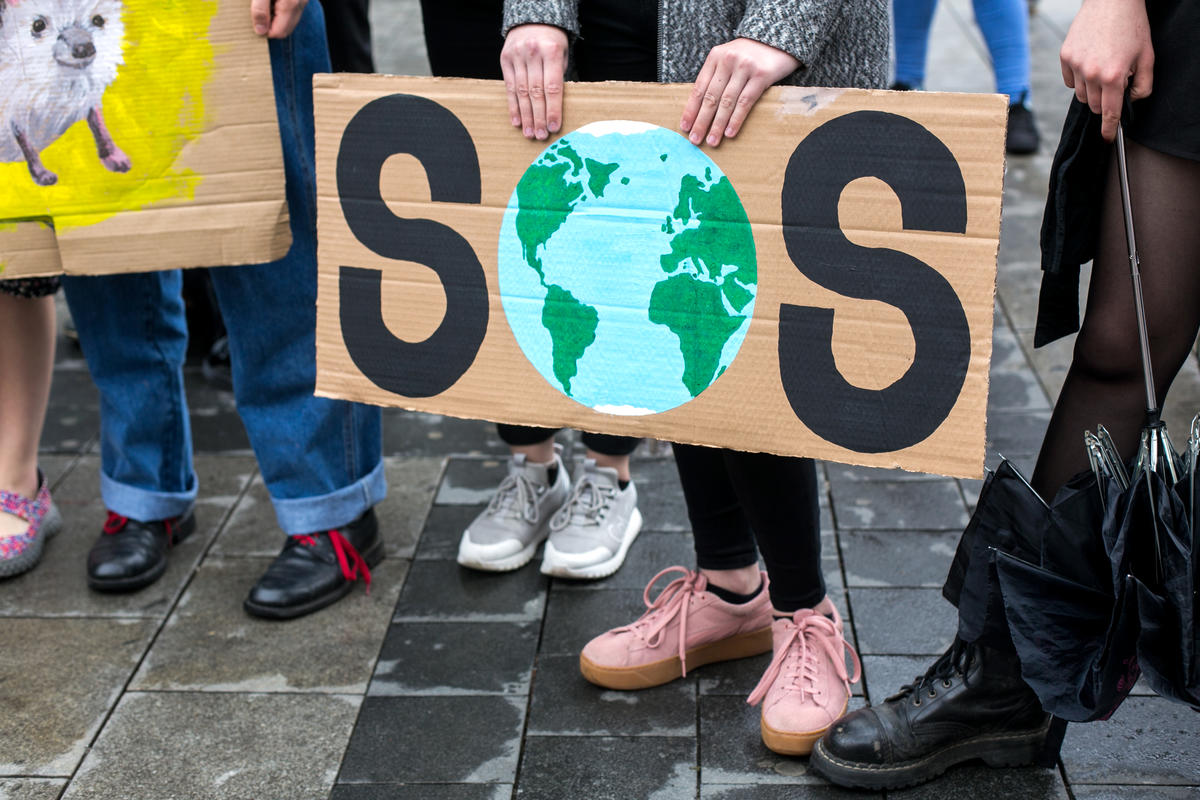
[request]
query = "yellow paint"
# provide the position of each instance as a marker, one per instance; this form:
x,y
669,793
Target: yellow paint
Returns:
x,y
153,108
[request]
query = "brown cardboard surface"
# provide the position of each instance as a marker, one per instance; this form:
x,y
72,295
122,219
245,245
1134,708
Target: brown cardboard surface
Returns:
x,y
873,344
235,214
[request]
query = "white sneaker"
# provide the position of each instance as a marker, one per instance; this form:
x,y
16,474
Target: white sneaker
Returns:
x,y
591,533
506,534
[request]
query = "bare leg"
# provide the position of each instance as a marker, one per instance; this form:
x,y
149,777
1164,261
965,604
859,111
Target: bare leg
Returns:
x,y
619,463
33,160
26,363
1104,384
110,155
539,453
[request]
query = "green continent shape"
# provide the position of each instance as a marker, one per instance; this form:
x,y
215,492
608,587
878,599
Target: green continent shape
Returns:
x,y
599,174
693,310
572,328
544,201
721,239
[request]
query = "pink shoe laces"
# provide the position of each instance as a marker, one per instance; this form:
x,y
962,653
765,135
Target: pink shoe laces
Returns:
x,y
799,658
673,601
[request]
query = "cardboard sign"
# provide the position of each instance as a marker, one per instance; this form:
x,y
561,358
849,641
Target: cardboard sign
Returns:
x,y
141,135
822,285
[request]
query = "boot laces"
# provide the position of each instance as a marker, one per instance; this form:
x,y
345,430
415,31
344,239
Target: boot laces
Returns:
x,y
673,601
115,523
517,497
586,505
799,660
349,559
954,663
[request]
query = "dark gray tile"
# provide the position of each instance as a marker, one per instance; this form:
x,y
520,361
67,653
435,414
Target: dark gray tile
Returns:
x,y
1148,740
556,767
814,791
69,428
434,658
574,618
412,433
732,751
1015,391
737,678
977,780
169,744
442,591
897,558
411,484
1016,433
471,481
473,739
884,675
902,621
61,677
660,497
900,505
564,704
650,553
1083,791
443,531
210,644
422,791
840,475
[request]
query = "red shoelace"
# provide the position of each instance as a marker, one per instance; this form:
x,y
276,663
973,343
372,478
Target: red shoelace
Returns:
x,y
349,559
117,522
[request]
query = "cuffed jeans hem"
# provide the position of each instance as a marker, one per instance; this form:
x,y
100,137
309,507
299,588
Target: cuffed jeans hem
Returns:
x,y
144,505
301,515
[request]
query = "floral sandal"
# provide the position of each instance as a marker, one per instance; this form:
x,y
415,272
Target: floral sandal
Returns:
x,y
21,552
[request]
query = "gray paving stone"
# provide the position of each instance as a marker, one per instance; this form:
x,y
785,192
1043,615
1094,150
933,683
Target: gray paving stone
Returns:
x,y
252,529
902,621
210,643
650,553
840,475
57,587
736,678
218,746
897,558
408,433
1015,391
1147,741
443,531
61,677
471,481
442,591
31,789
433,658
977,780
411,484
901,505
212,411
660,497
1083,791
574,618
1016,433
607,768
564,704
884,675
473,739
422,791
781,792
56,467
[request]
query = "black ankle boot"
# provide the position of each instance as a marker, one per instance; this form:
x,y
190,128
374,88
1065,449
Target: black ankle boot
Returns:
x,y
971,704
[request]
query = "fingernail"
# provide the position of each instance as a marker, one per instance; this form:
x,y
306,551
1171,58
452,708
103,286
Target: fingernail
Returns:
x,y
541,133
260,29
554,127
528,133
683,125
695,137
516,122
729,131
713,140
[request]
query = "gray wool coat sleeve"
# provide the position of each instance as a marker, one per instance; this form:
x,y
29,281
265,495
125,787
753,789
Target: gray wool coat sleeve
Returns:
x,y
839,43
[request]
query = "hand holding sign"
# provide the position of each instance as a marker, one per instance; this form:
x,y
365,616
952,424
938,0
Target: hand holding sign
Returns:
x,y
533,61
732,79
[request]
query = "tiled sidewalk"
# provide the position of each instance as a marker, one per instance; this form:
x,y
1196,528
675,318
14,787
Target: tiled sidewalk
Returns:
x,y
443,683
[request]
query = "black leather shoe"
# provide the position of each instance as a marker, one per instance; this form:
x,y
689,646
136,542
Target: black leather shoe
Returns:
x,y
317,569
971,704
131,554
1023,137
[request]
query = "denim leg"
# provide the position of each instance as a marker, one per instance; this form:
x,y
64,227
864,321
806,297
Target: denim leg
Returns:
x,y
321,459
911,20
1005,27
133,333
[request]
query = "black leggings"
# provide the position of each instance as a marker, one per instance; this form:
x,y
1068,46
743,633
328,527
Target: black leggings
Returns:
x,y
736,498
1104,384
618,42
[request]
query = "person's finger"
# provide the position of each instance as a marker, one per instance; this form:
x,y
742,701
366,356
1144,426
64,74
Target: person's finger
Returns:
x,y
286,17
1111,101
696,97
521,88
730,100
554,66
508,69
708,104
537,95
1143,76
260,16
746,100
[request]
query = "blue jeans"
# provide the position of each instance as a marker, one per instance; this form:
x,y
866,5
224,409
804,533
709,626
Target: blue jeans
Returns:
x,y
321,459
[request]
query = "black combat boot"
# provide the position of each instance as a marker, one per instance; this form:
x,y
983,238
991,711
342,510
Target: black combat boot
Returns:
x,y
971,704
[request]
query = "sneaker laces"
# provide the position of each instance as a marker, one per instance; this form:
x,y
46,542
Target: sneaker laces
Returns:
x,y
954,663
349,559
585,506
799,659
673,601
516,495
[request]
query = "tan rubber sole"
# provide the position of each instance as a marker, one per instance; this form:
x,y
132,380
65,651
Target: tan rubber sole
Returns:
x,y
792,743
657,673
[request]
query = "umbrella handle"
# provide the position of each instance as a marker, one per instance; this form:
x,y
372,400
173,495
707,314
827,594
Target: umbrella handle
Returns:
x,y
1152,409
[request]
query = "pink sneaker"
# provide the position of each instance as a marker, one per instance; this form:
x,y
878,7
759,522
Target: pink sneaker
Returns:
x,y
685,626
806,687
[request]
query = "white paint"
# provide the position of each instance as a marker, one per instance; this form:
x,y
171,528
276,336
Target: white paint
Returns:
x,y
624,411
607,126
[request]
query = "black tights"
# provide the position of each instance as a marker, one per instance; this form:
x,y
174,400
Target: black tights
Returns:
x,y
736,498
1104,384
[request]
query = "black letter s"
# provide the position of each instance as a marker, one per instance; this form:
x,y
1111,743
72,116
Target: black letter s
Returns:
x,y
926,178
383,128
